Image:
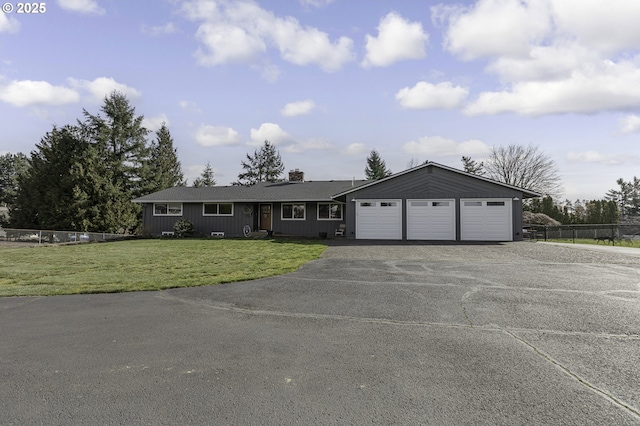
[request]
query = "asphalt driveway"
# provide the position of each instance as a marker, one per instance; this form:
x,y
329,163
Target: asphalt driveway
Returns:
x,y
517,333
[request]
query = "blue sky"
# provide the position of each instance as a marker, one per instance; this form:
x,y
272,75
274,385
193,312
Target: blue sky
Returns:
x,y
329,80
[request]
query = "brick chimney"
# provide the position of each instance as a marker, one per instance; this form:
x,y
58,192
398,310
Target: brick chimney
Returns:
x,y
296,176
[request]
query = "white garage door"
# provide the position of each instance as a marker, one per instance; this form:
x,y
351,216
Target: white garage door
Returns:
x,y
379,219
486,219
431,220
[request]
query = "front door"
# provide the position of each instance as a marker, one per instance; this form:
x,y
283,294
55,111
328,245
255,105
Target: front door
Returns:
x,y
264,221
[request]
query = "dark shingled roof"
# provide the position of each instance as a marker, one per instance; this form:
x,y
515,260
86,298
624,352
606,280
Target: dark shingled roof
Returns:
x,y
260,192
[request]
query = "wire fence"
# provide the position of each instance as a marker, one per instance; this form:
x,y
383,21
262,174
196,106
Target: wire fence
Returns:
x,y
609,233
38,236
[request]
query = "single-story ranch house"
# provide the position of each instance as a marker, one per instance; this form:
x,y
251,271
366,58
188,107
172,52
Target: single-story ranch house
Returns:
x,y
427,202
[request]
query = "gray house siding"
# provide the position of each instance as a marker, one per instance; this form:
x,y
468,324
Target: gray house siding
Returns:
x,y
434,183
243,214
310,227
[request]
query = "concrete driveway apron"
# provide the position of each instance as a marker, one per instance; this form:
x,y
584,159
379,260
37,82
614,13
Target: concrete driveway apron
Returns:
x,y
376,333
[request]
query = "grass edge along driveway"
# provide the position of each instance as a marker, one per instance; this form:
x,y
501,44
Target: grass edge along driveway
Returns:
x,y
137,265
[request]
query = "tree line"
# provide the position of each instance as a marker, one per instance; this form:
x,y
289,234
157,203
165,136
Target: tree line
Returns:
x,y
84,176
528,168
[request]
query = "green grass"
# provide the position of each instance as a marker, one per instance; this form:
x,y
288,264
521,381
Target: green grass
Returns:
x,y
633,243
146,265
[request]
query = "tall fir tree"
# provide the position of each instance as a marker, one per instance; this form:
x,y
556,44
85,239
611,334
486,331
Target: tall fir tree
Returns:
x,y
118,140
264,166
376,167
162,169
12,166
206,177
46,199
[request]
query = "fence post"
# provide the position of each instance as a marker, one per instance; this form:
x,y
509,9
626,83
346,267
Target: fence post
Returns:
x,y
545,233
39,237
574,235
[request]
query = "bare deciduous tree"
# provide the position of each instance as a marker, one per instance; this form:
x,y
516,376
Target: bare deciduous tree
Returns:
x,y
524,166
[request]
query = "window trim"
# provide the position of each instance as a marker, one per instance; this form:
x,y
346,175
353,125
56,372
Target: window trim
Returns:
x,y
330,218
304,205
167,213
218,209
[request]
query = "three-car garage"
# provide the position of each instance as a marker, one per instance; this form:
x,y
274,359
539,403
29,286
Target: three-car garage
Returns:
x,y
434,219
433,202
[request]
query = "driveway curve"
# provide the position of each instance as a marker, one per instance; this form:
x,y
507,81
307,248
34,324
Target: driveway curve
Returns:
x,y
376,333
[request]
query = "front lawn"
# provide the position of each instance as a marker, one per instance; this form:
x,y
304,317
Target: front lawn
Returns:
x,y
146,265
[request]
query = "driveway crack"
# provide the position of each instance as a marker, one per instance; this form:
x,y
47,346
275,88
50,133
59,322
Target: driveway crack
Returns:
x,y
603,393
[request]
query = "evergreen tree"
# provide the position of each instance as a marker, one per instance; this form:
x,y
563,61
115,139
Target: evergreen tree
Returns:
x,y
162,169
472,166
119,151
264,166
206,178
376,167
46,199
627,197
11,167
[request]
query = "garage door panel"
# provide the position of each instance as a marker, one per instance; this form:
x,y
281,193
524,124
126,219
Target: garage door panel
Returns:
x,y
431,219
379,219
486,220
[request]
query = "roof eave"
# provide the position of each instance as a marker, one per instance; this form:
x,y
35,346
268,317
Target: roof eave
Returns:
x,y
525,192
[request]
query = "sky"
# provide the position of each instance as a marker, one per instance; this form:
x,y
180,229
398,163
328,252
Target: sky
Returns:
x,y
327,81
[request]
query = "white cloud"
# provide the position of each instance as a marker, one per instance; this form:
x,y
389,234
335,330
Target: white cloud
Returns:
x,y
168,28
271,132
439,146
28,93
310,46
425,95
398,40
42,93
554,56
607,86
242,32
189,106
316,3
8,24
355,149
269,72
154,123
595,157
591,22
308,145
293,109
630,124
89,7
216,136
496,28
101,87
227,43
544,63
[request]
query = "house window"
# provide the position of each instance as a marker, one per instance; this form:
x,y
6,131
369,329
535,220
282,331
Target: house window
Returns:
x,y
440,204
329,211
388,204
217,209
365,204
473,203
293,211
495,203
167,209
